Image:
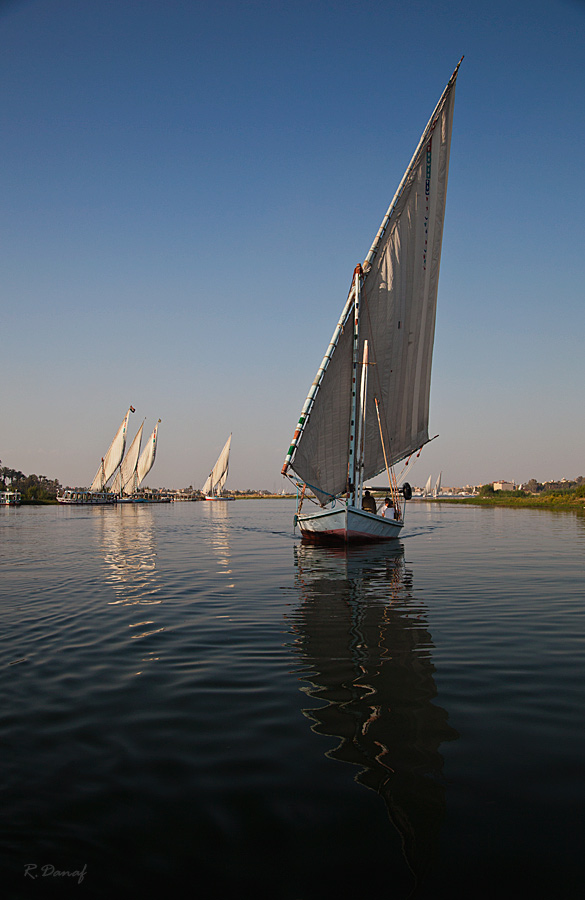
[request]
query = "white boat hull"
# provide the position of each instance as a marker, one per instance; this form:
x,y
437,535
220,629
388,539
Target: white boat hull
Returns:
x,y
219,498
87,498
348,525
10,498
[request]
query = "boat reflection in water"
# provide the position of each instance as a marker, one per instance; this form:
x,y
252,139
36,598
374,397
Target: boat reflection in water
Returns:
x,y
366,641
127,538
217,534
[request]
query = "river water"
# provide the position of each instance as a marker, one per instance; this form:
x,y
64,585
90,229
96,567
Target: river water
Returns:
x,y
193,701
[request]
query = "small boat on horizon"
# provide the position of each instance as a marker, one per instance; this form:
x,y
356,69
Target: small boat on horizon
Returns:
x,y
368,407
213,487
10,498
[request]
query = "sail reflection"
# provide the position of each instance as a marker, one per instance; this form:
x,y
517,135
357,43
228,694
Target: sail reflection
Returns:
x,y
128,542
218,534
366,641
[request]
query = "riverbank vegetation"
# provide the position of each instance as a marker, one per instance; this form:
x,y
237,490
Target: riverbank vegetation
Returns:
x,y
32,488
567,496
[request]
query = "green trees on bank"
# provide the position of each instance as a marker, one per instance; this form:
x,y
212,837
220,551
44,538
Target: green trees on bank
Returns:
x,y
35,488
564,495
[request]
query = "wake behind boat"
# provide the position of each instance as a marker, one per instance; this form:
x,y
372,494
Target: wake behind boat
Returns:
x,y
348,432
213,487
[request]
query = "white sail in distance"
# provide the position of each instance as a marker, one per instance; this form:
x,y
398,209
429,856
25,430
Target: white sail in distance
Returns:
x,y
427,490
147,457
397,318
113,457
123,483
437,488
218,475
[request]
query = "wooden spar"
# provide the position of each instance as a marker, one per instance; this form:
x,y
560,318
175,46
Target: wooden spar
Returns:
x,y
391,476
424,139
306,410
362,425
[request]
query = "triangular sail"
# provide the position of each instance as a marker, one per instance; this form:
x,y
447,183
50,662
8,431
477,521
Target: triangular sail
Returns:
x,y
427,491
123,483
218,475
398,303
113,457
437,488
147,457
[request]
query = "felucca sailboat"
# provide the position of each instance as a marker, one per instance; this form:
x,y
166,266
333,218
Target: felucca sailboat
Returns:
x,y
368,406
97,493
113,457
134,468
122,484
146,461
213,487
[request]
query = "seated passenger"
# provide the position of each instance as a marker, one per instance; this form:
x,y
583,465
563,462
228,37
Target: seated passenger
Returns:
x,y
368,502
388,511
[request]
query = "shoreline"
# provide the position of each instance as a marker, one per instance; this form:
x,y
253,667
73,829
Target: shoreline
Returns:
x,y
554,502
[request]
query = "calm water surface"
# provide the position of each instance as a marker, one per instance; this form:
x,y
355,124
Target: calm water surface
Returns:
x,y
195,702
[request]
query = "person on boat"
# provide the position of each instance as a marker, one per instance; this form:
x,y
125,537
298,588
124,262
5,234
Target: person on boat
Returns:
x,y
368,502
388,511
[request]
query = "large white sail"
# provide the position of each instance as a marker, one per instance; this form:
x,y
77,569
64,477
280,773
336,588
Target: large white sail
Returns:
x,y
123,483
218,475
427,490
147,457
398,303
113,457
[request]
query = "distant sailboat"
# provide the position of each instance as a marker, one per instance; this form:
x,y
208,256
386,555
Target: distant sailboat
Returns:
x,y
213,487
123,483
146,461
349,432
437,487
113,457
427,488
98,493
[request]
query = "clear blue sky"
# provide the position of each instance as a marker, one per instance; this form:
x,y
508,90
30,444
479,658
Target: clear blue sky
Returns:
x,y
187,187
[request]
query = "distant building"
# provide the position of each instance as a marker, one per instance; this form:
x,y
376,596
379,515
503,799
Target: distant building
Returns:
x,y
504,486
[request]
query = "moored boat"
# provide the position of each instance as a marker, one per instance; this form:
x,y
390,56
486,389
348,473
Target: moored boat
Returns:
x,y
10,498
75,497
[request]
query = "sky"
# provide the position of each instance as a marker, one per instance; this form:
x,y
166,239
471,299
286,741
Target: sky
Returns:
x,y
187,186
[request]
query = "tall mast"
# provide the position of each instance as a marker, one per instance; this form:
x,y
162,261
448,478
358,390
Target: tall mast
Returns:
x,y
351,477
